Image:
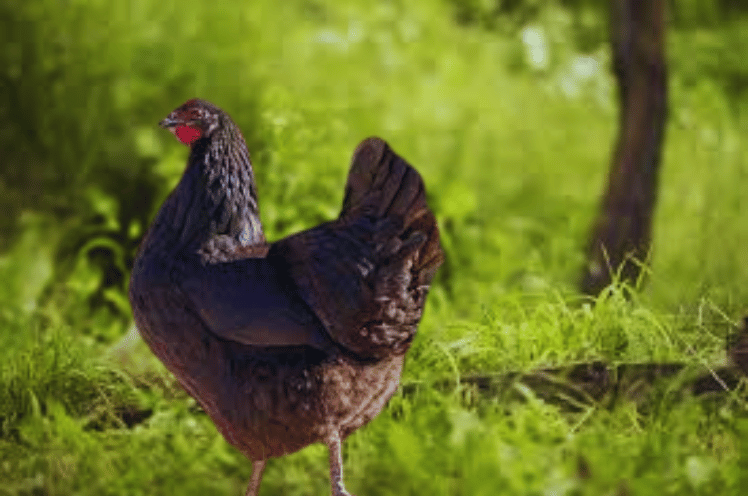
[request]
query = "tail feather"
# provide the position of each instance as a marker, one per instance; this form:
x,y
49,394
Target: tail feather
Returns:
x,y
382,184
366,275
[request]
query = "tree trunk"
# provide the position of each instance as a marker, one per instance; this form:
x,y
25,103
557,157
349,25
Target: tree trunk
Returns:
x,y
621,235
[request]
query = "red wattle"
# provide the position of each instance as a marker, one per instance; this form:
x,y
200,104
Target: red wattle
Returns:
x,y
187,134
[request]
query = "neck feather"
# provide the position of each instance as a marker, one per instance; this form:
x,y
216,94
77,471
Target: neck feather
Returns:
x,y
214,206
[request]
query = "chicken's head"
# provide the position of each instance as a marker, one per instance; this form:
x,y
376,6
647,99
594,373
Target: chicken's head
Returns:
x,y
193,120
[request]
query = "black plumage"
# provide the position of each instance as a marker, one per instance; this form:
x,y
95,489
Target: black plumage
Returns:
x,y
294,342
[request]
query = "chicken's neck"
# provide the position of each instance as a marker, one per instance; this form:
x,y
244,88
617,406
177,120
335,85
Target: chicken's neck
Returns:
x,y
214,206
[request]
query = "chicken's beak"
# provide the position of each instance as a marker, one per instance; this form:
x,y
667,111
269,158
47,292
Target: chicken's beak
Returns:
x,y
168,123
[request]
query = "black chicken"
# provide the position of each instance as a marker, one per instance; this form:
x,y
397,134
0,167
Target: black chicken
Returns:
x,y
294,342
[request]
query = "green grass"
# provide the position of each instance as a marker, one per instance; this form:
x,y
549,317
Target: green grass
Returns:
x,y
514,159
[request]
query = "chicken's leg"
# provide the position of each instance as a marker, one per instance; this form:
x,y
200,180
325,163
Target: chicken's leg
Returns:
x,y
258,467
336,466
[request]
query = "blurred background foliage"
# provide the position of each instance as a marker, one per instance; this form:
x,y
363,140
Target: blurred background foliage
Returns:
x,y
508,109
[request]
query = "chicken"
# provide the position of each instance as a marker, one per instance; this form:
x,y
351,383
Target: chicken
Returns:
x,y
295,342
